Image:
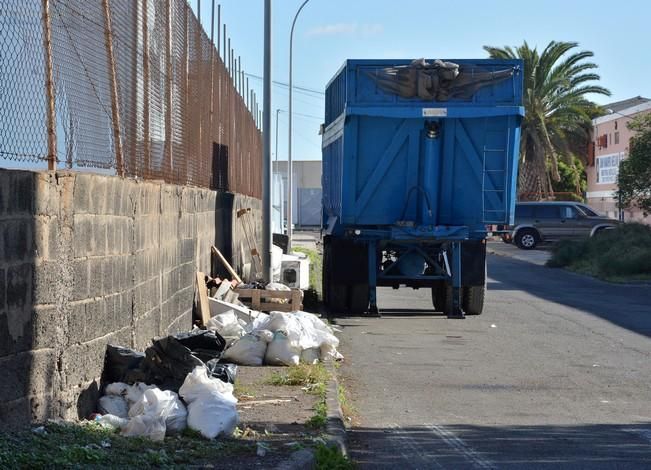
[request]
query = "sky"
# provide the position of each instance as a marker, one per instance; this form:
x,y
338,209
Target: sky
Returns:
x,y
328,32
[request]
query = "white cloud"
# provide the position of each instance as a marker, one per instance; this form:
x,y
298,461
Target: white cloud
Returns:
x,y
339,29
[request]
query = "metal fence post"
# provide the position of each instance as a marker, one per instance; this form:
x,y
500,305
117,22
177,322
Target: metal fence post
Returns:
x,y
115,106
145,90
49,88
168,89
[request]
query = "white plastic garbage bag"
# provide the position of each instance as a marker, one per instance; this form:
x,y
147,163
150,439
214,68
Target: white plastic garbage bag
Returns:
x,y
166,404
130,393
282,351
316,330
257,323
277,286
310,355
226,324
249,350
150,426
112,421
329,352
114,405
211,404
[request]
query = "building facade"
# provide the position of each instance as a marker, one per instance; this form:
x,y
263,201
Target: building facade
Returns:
x,y
611,137
306,191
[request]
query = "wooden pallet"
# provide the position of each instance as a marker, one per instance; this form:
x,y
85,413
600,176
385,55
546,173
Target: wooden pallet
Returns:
x,y
259,299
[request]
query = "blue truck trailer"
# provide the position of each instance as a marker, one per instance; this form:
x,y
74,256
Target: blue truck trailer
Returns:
x,y
418,158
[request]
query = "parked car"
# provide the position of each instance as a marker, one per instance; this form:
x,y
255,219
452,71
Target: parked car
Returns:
x,y
549,221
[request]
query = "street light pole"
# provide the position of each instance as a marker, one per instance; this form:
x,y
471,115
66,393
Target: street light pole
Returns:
x,y
267,271
289,144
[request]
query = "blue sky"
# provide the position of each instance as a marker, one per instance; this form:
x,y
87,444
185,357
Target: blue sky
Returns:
x,y
329,31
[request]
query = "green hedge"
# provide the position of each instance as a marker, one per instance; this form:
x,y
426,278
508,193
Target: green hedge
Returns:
x,y
623,253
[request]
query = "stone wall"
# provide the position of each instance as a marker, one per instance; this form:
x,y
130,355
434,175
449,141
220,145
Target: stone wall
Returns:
x,y
87,260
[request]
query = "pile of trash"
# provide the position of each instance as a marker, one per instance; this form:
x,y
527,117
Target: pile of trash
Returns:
x,y
147,411
277,338
186,380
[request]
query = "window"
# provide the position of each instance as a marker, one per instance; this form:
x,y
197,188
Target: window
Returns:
x,y
587,211
569,212
608,167
547,212
523,212
616,138
615,125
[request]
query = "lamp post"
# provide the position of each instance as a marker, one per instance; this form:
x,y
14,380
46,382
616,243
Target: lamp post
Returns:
x,y
267,270
289,144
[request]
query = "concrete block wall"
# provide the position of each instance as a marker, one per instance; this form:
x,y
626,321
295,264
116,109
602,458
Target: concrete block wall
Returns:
x,y
87,260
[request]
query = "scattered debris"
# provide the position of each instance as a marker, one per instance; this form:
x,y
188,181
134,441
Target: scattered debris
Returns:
x,y
226,264
40,430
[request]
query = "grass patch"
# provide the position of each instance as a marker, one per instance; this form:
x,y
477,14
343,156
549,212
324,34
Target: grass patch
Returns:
x,y
240,390
89,444
316,262
619,255
314,378
329,458
347,408
305,375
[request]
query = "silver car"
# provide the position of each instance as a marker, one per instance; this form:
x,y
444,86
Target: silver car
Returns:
x,y
549,221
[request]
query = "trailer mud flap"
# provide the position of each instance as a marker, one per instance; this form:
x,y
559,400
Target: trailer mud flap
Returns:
x,y
348,262
473,263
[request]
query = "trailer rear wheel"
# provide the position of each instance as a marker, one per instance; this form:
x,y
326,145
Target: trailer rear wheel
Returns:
x,y
337,298
439,297
472,299
358,301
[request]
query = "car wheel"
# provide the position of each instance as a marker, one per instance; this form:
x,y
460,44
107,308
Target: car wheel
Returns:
x,y
526,239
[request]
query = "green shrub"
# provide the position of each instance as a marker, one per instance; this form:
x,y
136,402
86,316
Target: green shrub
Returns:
x,y
620,253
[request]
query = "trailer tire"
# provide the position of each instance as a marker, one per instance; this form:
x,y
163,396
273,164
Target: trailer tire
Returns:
x,y
439,297
472,299
337,299
358,301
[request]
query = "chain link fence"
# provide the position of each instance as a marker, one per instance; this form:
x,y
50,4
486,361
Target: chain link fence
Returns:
x,y
132,87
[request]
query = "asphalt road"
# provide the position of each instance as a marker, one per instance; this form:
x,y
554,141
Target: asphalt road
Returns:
x,y
555,374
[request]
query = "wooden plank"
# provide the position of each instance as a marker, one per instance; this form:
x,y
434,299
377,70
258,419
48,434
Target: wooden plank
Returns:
x,y
226,264
202,298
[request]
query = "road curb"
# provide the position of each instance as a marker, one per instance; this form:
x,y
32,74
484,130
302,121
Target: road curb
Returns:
x,y
300,460
335,434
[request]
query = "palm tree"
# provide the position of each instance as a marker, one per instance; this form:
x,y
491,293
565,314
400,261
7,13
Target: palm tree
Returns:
x,y
558,115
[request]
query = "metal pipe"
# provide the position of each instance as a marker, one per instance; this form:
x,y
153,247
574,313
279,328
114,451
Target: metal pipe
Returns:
x,y
277,111
219,22
289,143
49,89
266,148
115,104
169,124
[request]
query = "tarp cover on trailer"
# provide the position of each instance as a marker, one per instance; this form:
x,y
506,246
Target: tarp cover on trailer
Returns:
x,y
438,80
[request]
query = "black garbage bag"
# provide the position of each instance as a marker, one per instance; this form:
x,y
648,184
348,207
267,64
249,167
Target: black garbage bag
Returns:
x,y
168,360
223,372
204,344
122,365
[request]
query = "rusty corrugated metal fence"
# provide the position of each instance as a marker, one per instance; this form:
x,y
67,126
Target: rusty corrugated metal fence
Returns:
x,y
132,87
